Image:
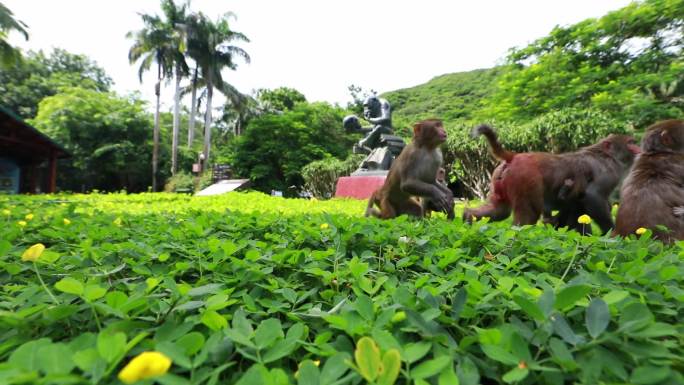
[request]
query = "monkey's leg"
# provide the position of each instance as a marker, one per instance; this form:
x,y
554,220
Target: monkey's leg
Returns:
x,y
496,211
598,209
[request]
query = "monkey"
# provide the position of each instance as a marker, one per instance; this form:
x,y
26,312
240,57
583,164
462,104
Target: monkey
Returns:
x,y
426,203
532,184
653,192
412,174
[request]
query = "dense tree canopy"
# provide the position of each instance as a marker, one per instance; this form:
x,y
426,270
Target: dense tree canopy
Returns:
x,y
276,146
280,99
629,62
41,75
108,136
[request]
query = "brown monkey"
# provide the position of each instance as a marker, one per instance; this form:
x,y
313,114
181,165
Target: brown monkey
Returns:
x,y
653,192
426,203
412,174
532,184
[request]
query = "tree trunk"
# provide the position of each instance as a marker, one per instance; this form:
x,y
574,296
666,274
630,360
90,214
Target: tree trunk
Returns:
x,y
207,120
193,111
155,148
176,122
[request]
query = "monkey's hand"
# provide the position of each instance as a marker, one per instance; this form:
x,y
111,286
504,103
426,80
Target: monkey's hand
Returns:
x,y
678,211
441,200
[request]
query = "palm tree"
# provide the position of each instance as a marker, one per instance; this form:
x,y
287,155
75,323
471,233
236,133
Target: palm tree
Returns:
x,y
153,44
8,54
209,45
176,20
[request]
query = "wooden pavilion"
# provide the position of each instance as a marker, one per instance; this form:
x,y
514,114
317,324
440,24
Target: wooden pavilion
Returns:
x,y
28,158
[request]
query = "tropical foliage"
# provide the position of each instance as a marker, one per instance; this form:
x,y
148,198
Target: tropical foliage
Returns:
x,y
250,289
41,74
107,136
9,55
276,146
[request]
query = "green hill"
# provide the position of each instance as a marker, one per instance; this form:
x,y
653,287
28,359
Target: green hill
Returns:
x,y
450,97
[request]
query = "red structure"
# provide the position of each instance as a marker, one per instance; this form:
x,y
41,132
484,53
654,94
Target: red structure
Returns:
x,y
28,158
359,187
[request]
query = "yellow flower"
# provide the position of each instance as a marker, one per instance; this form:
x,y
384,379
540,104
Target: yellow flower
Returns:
x,y
29,217
640,231
117,221
33,253
584,219
6,212
324,226
66,221
22,223
317,362
145,365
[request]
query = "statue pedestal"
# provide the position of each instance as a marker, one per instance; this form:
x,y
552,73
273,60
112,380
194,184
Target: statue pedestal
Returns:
x,y
360,184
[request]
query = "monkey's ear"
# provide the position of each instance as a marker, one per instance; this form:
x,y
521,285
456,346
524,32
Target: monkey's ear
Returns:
x,y
606,145
666,139
416,129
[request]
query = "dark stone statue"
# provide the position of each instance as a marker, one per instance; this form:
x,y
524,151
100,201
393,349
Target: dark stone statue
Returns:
x,y
379,143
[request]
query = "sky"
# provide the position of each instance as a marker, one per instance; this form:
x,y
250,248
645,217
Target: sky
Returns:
x,y
316,47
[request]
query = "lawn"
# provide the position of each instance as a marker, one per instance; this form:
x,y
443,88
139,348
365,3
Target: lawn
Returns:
x,y
251,289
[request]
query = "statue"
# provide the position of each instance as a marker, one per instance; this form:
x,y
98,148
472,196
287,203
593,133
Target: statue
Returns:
x,y
379,143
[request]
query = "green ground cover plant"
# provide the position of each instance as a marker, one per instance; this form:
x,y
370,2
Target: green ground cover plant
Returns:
x,y
250,289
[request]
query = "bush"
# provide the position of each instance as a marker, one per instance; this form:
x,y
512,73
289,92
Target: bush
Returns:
x,y
181,182
321,176
558,131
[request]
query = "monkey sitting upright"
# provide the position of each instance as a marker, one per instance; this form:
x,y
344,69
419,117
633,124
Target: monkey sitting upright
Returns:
x,y
653,192
412,175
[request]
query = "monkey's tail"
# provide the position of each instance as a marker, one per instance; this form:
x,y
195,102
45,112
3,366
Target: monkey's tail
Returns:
x,y
496,147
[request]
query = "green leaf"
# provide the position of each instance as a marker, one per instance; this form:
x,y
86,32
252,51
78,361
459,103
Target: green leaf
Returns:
x,y
267,333
70,285
212,288
645,375
334,368
561,327
214,320
364,306
467,372
430,368
597,317
26,356
415,351
111,345
191,343
529,307
367,356
93,292
497,353
279,350
308,374
561,354
458,302
391,364
570,295
635,316
55,359
86,359
448,377
175,352
615,296
515,375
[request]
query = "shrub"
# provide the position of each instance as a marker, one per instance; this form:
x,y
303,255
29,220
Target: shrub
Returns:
x,y
181,182
321,176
